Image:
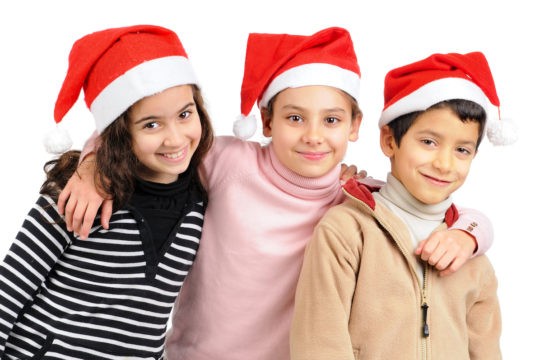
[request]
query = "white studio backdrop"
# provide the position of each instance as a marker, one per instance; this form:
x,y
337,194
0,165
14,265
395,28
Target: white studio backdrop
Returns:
x,y
36,37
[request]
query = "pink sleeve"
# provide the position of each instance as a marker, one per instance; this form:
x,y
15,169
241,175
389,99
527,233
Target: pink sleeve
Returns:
x,y
90,146
478,225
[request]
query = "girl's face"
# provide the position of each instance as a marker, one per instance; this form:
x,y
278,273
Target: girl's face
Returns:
x,y
434,155
310,128
166,131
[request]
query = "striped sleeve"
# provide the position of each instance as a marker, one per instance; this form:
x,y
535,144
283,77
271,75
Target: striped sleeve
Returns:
x,y
35,250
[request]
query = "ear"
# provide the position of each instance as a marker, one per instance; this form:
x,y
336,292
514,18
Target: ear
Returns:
x,y
387,142
353,135
267,122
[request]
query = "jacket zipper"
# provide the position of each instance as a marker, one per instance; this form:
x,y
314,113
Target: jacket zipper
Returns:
x,y
425,307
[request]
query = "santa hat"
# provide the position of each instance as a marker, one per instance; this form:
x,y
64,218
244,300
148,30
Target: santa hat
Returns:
x,y
275,62
439,77
116,68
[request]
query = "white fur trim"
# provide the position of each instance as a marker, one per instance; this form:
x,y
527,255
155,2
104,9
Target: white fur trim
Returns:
x,y
145,79
432,93
245,126
313,74
57,141
502,132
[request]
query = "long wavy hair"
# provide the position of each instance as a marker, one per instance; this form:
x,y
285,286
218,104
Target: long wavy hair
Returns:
x,y
116,164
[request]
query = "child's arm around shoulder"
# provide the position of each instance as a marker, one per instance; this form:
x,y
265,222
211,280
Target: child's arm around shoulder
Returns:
x,y
80,200
448,250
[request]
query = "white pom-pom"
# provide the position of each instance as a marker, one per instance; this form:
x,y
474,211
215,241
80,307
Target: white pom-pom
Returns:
x,y
502,132
245,126
57,141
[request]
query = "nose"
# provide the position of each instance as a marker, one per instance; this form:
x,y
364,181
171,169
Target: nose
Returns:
x,y
173,136
313,134
443,160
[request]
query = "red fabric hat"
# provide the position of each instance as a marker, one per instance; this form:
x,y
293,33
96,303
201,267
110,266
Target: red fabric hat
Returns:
x,y
119,66
439,77
275,62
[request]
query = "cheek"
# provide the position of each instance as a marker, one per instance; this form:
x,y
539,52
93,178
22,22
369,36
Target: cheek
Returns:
x,y
143,145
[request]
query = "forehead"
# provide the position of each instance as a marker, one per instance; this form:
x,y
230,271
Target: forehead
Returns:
x,y
316,96
445,122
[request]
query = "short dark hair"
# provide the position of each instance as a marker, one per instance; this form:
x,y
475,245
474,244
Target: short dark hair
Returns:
x,y
466,110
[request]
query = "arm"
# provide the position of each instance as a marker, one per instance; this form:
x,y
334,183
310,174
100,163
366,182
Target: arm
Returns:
x,y
36,249
80,200
448,250
323,298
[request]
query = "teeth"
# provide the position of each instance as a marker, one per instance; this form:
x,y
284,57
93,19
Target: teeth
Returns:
x,y
174,156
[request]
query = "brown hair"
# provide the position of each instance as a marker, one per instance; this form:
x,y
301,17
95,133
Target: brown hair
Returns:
x,y
116,164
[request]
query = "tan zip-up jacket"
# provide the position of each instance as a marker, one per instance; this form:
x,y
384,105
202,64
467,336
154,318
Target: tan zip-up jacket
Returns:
x,y
359,297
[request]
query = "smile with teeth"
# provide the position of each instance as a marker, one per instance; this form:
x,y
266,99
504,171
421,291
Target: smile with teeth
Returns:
x,y
175,155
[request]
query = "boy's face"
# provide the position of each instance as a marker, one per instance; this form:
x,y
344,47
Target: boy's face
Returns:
x,y
434,156
310,128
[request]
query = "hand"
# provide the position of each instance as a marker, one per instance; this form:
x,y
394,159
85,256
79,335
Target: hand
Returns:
x,y
447,250
348,172
80,201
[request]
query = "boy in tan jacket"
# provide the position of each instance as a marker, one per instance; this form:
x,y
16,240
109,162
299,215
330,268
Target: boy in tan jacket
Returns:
x,y
363,293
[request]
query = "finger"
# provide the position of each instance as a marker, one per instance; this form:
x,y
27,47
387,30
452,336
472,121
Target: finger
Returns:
x,y
347,172
78,217
455,266
106,212
444,261
88,220
62,200
429,247
420,247
437,255
362,174
68,216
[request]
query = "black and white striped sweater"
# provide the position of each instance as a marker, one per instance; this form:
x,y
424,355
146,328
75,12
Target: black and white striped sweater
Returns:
x,y
107,297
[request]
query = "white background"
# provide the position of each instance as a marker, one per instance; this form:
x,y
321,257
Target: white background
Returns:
x,y
36,37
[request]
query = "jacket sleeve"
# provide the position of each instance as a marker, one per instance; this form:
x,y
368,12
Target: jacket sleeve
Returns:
x,y
323,298
35,250
484,320
477,225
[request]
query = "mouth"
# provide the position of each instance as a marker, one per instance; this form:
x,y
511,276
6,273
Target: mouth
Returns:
x,y
437,181
179,155
313,155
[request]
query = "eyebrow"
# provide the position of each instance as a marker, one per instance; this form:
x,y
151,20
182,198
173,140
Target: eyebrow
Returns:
x,y
152,117
437,135
299,108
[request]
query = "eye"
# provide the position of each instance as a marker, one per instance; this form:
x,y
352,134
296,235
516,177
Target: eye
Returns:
x,y
464,151
428,142
295,118
151,125
331,120
185,114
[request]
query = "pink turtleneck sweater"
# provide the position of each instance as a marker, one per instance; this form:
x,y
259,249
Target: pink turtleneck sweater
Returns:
x,y
238,298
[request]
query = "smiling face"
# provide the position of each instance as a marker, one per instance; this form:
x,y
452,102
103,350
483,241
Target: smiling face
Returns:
x,y
166,131
310,128
434,156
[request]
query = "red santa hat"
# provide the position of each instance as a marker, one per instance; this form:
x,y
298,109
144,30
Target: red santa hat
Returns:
x,y
439,77
275,62
116,68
